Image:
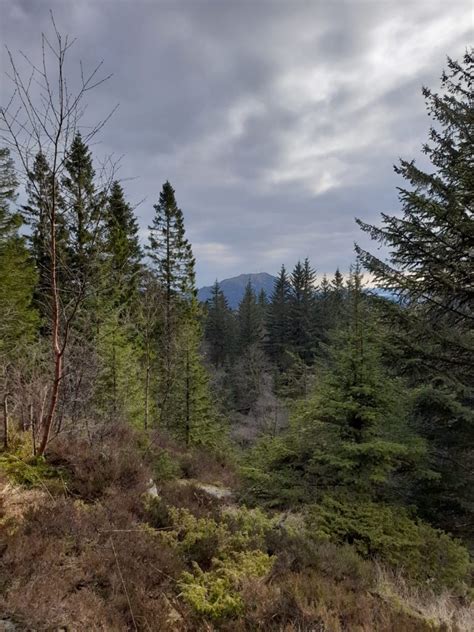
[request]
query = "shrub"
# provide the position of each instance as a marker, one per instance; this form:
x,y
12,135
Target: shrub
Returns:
x,y
164,466
94,468
32,472
389,534
216,593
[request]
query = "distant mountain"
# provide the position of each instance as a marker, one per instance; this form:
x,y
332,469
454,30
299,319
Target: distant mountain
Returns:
x,y
234,288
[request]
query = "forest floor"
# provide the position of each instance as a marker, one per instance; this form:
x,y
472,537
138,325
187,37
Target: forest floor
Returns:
x,y
123,534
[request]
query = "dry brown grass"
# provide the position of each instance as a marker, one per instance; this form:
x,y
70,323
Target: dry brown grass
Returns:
x,y
444,610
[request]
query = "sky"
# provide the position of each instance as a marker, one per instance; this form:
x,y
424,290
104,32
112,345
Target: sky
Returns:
x,y
277,122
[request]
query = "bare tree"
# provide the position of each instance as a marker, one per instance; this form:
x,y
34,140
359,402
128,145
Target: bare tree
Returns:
x,y
43,115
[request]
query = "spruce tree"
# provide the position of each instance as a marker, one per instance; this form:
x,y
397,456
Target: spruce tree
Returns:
x,y
430,270
249,321
169,251
36,214
83,208
122,248
429,245
301,311
218,328
18,319
278,319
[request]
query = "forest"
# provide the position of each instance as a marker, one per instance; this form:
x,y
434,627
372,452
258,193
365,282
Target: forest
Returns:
x,y
304,462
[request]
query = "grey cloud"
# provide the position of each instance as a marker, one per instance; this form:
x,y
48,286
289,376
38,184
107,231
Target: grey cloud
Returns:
x,y
276,122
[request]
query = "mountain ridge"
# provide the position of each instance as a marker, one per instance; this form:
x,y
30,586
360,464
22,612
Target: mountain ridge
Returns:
x,y
234,287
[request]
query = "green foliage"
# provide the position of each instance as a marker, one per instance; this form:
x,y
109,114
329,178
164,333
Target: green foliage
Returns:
x,y
389,534
29,471
249,320
164,466
219,328
122,249
118,388
429,269
18,320
215,593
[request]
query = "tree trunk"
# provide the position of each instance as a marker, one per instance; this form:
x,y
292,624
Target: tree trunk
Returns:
x,y
188,400
5,422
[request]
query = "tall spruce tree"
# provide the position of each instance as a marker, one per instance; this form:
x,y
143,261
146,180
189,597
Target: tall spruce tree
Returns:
x,y
18,319
430,269
302,302
278,319
429,245
36,215
169,251
249,321
122,247
84,211
219,327
183,398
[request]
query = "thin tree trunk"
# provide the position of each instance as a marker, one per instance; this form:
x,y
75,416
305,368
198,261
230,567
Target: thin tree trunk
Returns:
x,y
5,422
57,349
188,402
147,395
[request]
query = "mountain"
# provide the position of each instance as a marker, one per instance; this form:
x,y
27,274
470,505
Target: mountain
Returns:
x,y
234,288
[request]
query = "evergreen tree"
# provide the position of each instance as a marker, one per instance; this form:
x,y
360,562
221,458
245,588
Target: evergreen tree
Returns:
x,y
219,329
84,209
429,244
183,396
336,299
352,434
169,251
122,247
429,268
18,319
278,319
301,311
36,214
249,321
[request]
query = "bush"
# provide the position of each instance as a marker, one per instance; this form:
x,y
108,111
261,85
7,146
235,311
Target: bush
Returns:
x,y
32,472
95,468
216,593
390,535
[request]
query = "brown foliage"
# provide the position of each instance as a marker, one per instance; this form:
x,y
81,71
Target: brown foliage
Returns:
x,y
93,467
71,562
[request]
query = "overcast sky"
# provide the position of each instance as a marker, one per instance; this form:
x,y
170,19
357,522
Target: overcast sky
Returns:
x,y
276,122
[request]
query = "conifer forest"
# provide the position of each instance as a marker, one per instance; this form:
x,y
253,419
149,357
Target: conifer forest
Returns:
x,y
303,462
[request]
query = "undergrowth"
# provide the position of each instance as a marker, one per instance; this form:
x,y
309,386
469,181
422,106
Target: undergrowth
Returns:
x,y
98,551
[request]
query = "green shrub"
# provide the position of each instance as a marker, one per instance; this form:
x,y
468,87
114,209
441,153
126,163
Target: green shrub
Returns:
x,y
215,593
30,472
389,534
164,467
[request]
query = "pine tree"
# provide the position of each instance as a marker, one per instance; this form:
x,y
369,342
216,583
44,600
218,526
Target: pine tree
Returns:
x,y
83,209
36,214
278,319
122,248
18,319
302,314
429,245
430,270
219,327
249,321
169,251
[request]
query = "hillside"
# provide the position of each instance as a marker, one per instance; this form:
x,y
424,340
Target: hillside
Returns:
x,y
234,287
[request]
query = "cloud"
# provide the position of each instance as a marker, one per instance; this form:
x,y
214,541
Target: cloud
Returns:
x,y
276,123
